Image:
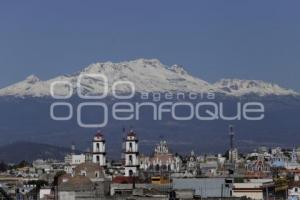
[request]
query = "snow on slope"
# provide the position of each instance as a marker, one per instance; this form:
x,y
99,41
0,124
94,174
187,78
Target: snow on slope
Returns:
x,y
148,75
239,87
32,85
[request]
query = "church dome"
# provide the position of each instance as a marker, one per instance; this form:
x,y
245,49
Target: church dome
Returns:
x,y
90,170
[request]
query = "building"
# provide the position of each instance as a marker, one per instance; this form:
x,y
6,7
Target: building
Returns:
x,y
293,163
162,160
258,167
99,153
46,193
91,170
74,159
233,155
77,187
205,187
294,193
40,164
131,153
254,189
192,164
87,182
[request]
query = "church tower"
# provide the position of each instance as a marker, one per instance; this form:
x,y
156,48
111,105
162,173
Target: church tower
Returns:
x,y
131,154
99,153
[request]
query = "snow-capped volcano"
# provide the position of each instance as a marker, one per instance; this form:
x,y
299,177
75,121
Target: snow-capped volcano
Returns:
x,y
239,87
147,75
31,86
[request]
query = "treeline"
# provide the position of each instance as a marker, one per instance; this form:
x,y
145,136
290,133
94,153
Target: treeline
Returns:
x,y
4,166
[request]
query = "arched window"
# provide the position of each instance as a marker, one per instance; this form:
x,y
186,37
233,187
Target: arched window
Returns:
x,y
130,173
130,146
157,167
164,167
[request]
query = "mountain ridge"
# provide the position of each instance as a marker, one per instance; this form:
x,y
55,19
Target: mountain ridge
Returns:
x,y
31,151
147,75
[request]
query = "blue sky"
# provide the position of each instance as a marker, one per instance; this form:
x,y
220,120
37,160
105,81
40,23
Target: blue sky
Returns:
x,y
212,39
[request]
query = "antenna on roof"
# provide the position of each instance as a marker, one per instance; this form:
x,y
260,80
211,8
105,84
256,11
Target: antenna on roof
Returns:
x,y
231,136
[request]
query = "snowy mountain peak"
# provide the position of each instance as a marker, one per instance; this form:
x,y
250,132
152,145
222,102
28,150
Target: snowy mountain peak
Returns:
x,y
31,86
32,79
239,87
147,75
134,64
178,69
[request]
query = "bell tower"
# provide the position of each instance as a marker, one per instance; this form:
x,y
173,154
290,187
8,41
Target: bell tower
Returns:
x,y
99,153
131,154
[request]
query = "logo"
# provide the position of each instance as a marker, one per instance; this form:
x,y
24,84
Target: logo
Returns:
x,y
195,106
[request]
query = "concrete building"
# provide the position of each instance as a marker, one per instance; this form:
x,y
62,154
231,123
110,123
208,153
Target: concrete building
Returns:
x,y
74,159
205,187
233,155
294,193
77,187
45,193
254,189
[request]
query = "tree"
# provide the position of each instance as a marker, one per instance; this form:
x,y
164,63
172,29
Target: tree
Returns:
x,y
3,167
38,184
56,177
22,164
